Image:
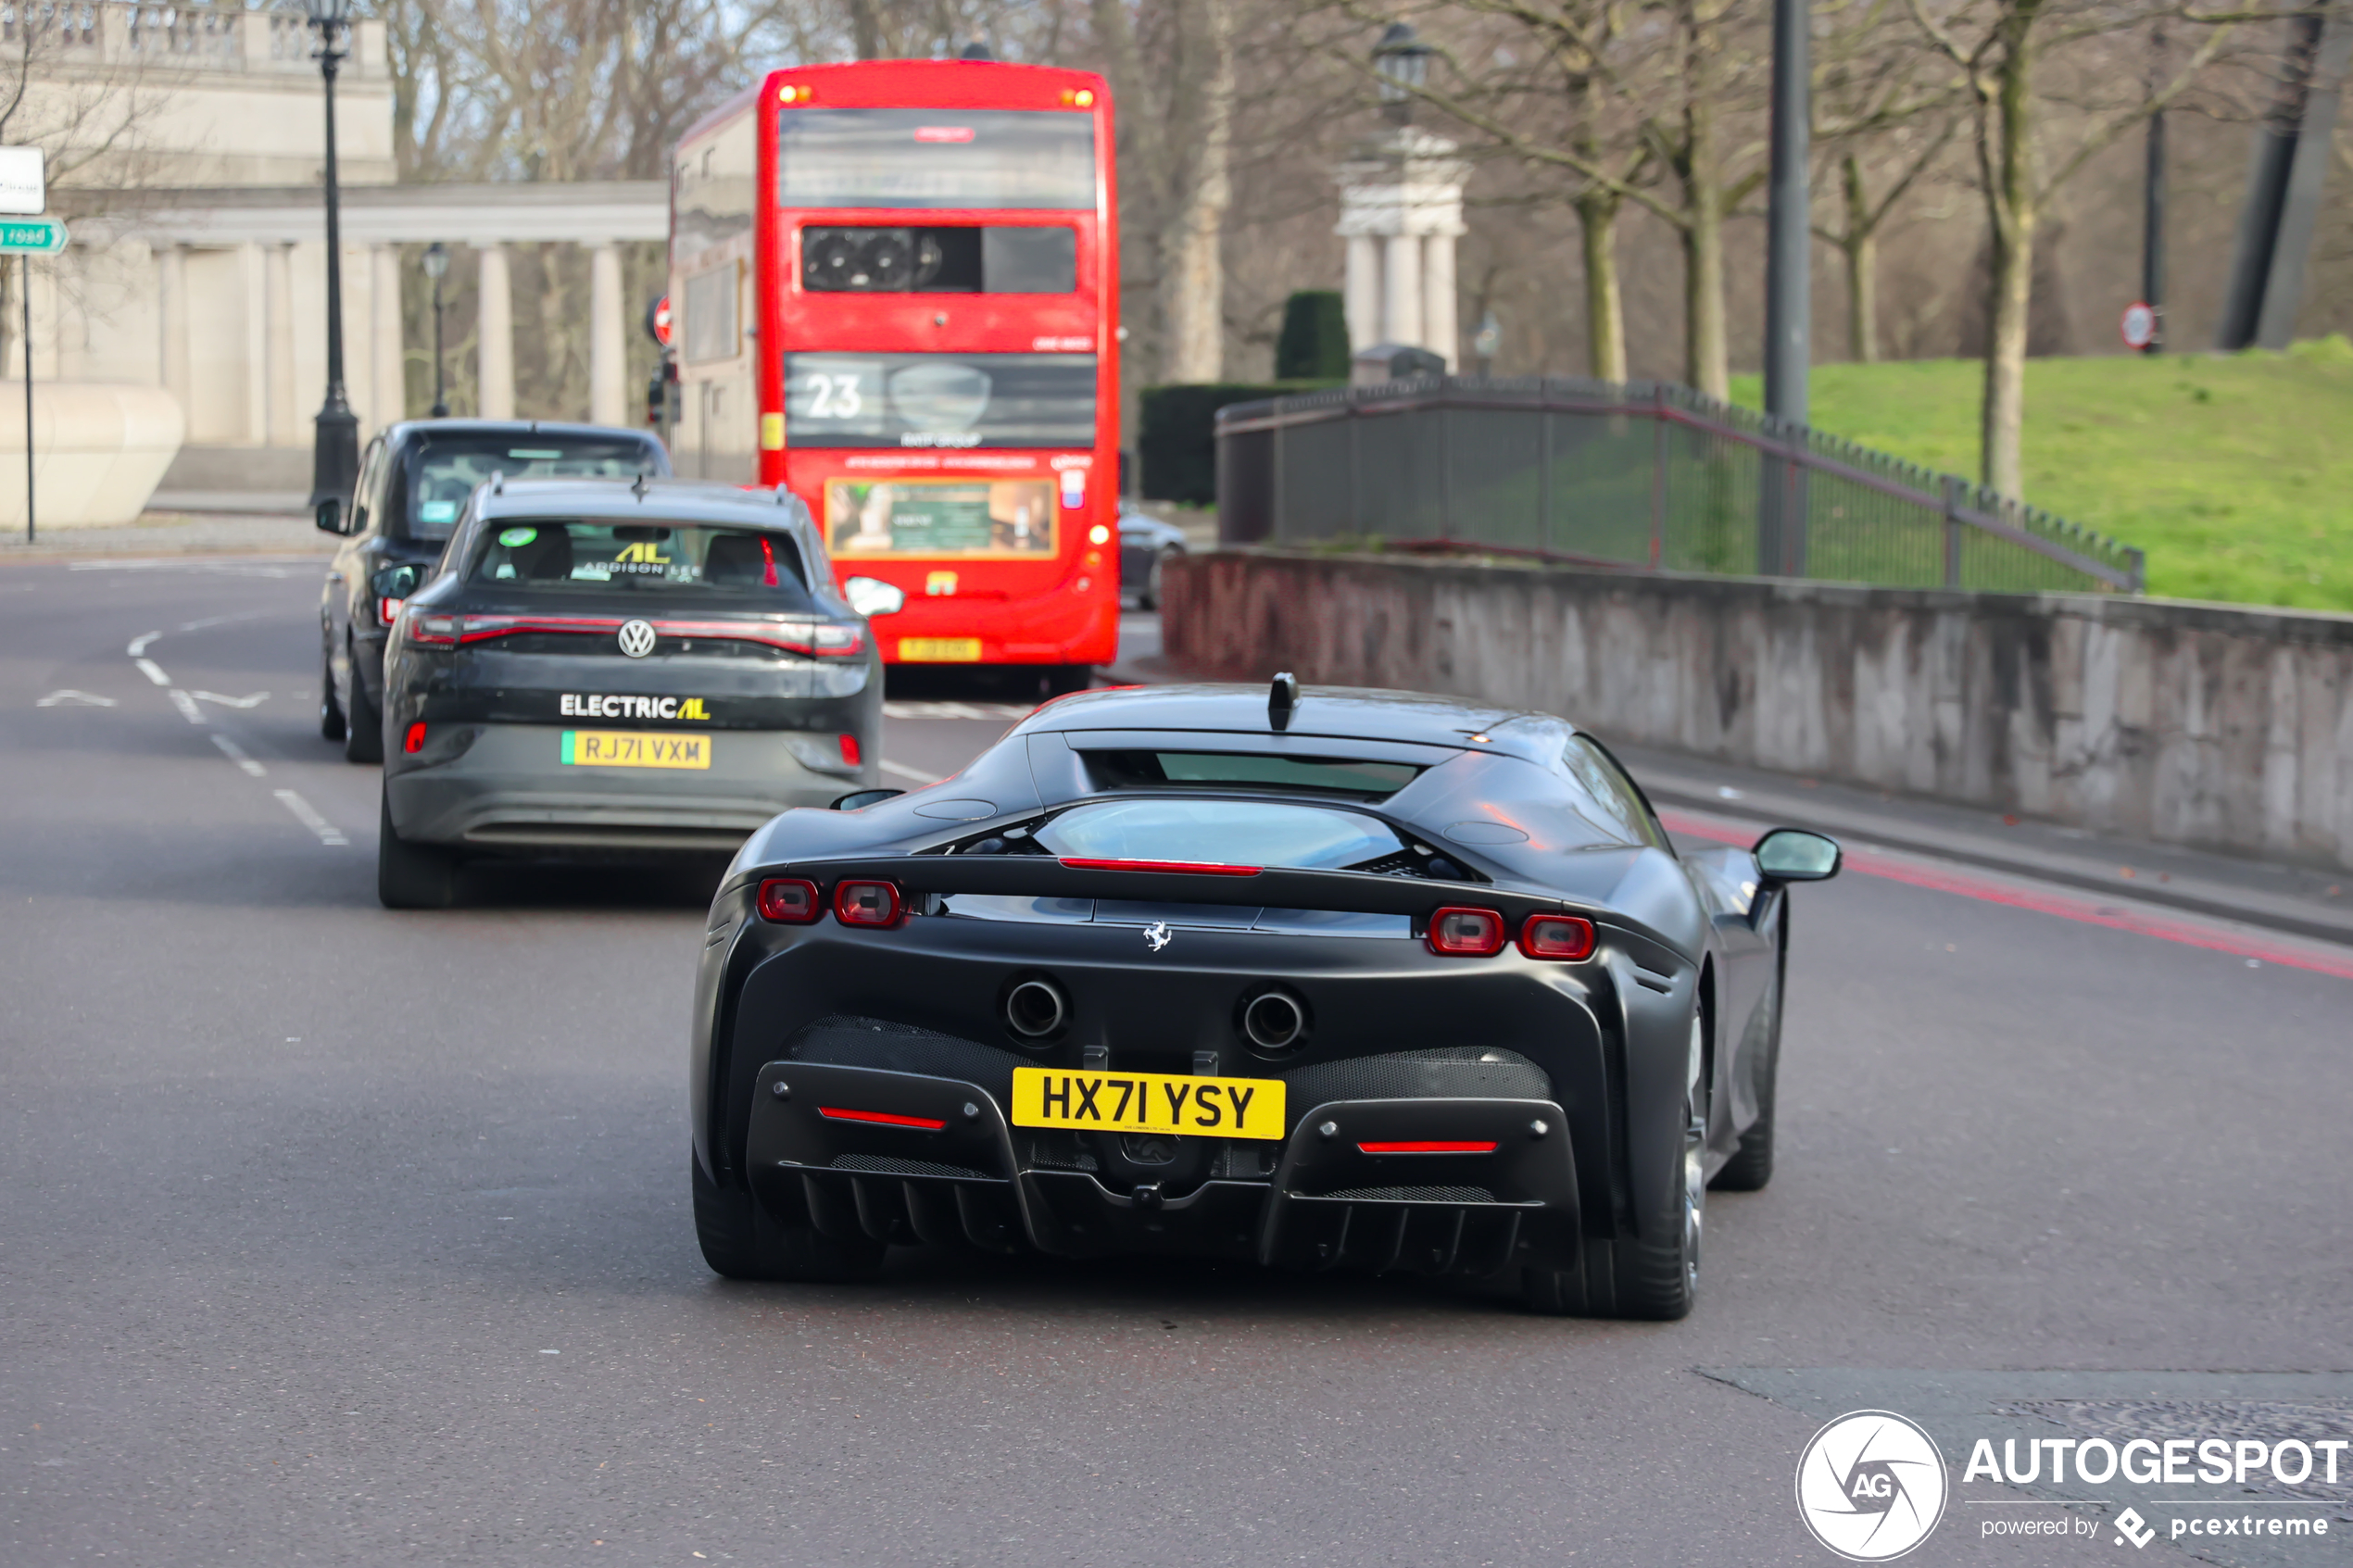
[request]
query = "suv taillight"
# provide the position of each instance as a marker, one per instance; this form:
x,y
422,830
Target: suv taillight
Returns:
x,y
1466,934
435,631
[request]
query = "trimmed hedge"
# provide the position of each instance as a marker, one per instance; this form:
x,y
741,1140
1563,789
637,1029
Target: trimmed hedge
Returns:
x,y
1314,345
1178,445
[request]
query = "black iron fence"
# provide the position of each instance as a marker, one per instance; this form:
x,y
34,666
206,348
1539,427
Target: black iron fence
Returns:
x,y
1648,474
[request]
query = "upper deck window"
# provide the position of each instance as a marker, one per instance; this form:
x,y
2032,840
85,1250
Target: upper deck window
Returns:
x,y
936,158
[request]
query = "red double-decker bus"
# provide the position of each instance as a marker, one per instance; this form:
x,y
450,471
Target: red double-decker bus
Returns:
x,y
895,288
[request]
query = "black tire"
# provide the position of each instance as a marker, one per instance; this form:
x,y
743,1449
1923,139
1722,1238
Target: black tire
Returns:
x,y
363,739
741,1240
330,711
411,876
1648,1276
1149,597
1752,1165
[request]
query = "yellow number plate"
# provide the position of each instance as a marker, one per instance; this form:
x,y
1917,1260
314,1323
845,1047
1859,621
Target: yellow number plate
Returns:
x,y
1148,1102
940,650
635,748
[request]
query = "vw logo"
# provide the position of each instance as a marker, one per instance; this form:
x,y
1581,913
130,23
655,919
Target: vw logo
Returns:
x,y
1871,1485
636,638
1156,935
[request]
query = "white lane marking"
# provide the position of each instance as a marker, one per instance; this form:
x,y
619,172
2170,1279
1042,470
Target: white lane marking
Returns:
x,y
904,771
253,700
186,705
958,709
153,672
139,644
236,754
308,817
84,699
211,621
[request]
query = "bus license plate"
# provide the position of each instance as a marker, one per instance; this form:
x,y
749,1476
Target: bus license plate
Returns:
x,y
1148,1102
940,650
635,748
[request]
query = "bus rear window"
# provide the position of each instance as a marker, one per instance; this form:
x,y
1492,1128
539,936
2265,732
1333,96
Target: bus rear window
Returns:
x,y
570,555
936,158
942,401
1251,771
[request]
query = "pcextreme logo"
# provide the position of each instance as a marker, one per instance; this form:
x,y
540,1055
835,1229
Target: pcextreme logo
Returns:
x,y
1872,1486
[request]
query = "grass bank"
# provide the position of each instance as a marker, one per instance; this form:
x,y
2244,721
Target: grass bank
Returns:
x,y
2235,473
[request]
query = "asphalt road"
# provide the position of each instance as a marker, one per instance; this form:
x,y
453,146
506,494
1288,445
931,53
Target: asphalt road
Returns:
x,y
335,1236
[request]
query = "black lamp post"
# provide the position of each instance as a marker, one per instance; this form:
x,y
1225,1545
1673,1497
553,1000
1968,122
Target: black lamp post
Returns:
x,y
1401,61
334,465
437,264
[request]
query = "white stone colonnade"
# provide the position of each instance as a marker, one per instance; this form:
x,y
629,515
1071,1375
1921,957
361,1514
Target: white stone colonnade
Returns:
x,y
1401,211
237,279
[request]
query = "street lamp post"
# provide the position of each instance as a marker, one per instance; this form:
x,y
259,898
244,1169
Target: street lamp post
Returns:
x,y
436,264
1401,61
335,464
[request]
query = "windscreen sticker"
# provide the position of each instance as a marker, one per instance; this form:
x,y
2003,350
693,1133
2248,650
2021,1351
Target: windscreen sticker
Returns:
x,y
436,511
513,538
595,705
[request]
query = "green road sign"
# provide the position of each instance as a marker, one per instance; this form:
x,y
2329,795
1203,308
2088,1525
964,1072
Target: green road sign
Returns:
x,y
31,237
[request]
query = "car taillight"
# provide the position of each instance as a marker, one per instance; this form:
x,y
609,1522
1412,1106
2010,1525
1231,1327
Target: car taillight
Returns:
x,y
789,901
836,641
849,751
388,610
416,740
1466,934
1429,1145
435,631
1566,937
1187,868
871,904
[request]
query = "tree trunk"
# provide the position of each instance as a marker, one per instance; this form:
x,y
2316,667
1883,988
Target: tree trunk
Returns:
x,y
1604,303
865,28
2010,204
1192,274
1706,359
1859,245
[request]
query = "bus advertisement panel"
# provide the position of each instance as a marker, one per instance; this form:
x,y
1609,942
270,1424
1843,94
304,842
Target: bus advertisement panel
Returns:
x,y
897,285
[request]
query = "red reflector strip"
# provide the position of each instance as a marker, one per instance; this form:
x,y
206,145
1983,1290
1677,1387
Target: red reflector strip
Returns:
x,y
1190,867
888,1119
1426,1146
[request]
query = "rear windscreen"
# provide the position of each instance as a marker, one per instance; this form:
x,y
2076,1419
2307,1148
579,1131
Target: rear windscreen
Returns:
x,y
443,470
1321,776
948,401
644,557
1233,833
936,158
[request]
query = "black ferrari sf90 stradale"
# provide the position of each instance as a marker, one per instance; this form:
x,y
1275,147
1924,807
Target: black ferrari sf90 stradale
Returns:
x,y
1328,979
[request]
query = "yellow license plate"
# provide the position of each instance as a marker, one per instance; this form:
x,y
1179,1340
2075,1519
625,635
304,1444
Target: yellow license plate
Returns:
x,y
635,748
1148,1102
940,650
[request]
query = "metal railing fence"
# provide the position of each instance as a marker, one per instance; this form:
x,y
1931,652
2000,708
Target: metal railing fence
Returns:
x,y
1647,474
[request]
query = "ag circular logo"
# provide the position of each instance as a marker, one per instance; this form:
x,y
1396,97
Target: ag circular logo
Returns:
x,y
636,638
1872,1486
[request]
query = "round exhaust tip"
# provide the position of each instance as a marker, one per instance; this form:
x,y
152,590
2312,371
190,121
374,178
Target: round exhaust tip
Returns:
x,y
1273,1022
1034,1008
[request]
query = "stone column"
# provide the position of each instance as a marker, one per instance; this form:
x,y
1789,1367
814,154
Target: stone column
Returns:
x,y
608,355
1362,299
1438,297
283,424
1401,314
172,320
388,383
253,429
494,319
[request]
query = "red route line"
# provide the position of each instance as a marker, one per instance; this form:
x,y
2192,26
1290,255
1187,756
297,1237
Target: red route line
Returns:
x,y
1940,879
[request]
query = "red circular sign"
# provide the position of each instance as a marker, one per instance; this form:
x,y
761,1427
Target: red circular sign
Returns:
x,y
2139,326
658,321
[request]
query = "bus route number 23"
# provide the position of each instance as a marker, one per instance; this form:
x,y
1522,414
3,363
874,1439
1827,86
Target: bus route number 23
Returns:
x,y
834,398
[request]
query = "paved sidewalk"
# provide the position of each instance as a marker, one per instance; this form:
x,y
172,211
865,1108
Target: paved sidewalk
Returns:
x,y
174,534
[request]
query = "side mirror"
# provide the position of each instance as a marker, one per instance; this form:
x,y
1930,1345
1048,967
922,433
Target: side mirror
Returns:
x,y
1794,854
859,800
871,596
329,517
395,582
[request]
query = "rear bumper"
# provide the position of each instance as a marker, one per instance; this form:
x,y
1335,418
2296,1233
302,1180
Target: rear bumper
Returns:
x,y
506,786
1059,628
953,1170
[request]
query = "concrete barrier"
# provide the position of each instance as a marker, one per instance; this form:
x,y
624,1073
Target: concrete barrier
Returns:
x,y
2199,724
99,447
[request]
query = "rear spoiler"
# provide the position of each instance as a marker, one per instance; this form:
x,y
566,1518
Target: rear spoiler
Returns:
x,y
1043,876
